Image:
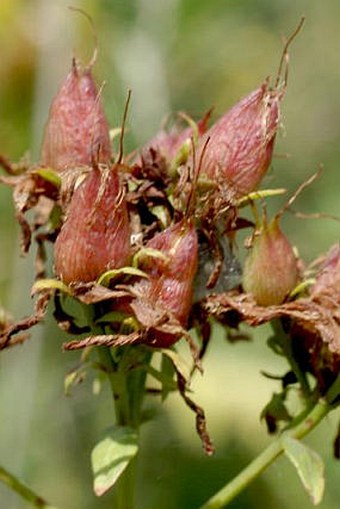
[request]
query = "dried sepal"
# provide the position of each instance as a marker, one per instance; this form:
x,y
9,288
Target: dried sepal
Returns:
x,y
34,189
318,317
8,336
201,426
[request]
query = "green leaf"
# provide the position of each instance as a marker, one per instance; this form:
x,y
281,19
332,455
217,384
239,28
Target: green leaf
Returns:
x,y
49,175
112,316
82,314
162,215
180,364
105,278
309,466
111,456
302,287
50,284
259,195
148,252
168,382
55,219
275,411
167,376
72,379
77,375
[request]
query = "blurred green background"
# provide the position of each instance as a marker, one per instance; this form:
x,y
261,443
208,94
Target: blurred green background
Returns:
x,y
174,55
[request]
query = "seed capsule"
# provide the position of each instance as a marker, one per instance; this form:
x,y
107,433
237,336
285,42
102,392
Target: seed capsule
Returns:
x,y
169,142
172,280
76,131
270,271
240,146
170,284
96,234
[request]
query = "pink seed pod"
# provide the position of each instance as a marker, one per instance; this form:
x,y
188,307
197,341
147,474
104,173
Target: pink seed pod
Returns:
x,y
168,142
271,269
76,131
172,280
240,146
96,234
170,284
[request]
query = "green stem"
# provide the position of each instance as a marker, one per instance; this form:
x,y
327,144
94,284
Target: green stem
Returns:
x,y
266,458
286,343
125,493
136,385
22,490
127,379
117,384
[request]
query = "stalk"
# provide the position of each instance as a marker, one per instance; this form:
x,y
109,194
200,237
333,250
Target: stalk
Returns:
x,y
127,381
268,456
21,489
286,343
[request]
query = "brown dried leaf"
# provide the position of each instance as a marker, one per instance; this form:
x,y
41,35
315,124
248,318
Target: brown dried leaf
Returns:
x,y
319,314
31,190
92,293
106,340
6,336
201,426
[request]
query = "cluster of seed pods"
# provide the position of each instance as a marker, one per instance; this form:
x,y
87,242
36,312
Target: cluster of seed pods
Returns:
x,y
234,154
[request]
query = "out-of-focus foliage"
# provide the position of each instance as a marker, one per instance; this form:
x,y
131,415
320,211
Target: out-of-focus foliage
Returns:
x,y
175,55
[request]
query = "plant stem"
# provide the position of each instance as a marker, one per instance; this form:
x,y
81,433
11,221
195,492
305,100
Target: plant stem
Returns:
x,y
22,490
127,380
125,493
286,343
259,464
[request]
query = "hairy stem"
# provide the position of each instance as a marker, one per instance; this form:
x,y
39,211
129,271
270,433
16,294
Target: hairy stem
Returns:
x,y
266,458
21,489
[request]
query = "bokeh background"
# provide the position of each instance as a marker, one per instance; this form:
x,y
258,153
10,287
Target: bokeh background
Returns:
x,y
174,55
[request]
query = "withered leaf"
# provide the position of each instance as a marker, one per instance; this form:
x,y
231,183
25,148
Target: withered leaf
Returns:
x,y
106,340
6,336
201,426
319,313
92,293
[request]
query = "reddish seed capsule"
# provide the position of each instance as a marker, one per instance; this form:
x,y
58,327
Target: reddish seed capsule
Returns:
x,y
171,279
76,130
270,271
96,234
168,142
241,142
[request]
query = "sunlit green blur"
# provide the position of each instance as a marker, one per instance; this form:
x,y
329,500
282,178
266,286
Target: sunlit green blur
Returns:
x,y
184,55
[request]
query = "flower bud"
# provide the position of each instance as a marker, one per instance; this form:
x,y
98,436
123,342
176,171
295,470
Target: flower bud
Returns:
x,y
270,271
96,234
170,284
240,146
76,130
